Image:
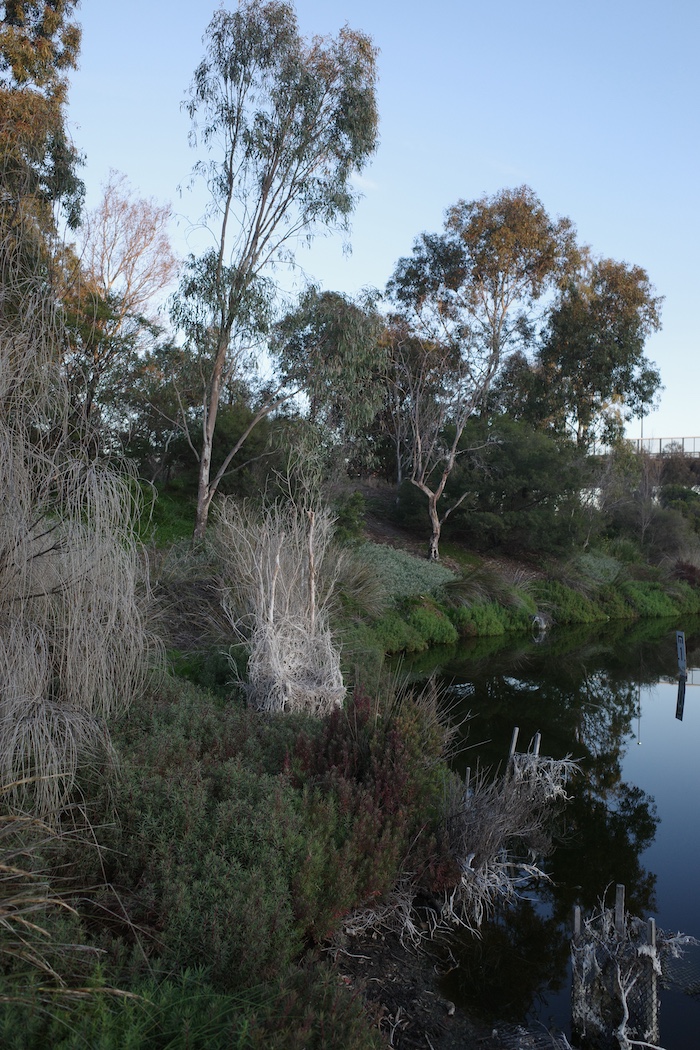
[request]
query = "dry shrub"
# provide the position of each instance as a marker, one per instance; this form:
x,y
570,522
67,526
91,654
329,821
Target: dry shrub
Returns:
x,y
498,831
280,571
72,602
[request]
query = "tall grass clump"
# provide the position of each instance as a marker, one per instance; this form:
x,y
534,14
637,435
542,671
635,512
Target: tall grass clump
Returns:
x,y
73,637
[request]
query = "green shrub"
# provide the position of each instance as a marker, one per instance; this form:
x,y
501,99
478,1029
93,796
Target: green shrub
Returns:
x,y
307,1007
488,619
600,568
169,516
685,595
648,598
349,511
432,624
613,603
402,574
566,604
394,634
179,1013
243,838
209,668
481,620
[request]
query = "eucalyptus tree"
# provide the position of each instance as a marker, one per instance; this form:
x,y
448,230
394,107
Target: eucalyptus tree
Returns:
x,y
466,299
592,356
39,45
285,123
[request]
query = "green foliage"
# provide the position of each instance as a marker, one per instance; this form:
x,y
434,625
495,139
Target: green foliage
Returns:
x,y
39,44
242,839
684,592
179,1013
524,487
208,836
612,601
306,1007
592,354
168,516
394,634
486,619
284,125
648,598
331,347
623,549
683,499
566,604
403,574
210,668
599,568
349,511
432,624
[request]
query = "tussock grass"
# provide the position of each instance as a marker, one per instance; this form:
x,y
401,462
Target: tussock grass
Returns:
x,y
73,628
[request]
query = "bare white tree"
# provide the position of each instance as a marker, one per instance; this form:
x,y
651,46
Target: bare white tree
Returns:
x,y
280,571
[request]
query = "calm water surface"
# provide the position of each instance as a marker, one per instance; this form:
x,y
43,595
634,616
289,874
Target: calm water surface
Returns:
x,y
609,698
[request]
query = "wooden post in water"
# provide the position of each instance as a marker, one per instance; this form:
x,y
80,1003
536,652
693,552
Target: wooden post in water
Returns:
x,y
577,921
619,909
680,649
536,743
513,742
651,1001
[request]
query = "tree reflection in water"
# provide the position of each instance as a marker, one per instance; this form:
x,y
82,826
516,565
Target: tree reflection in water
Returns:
x,y
581,690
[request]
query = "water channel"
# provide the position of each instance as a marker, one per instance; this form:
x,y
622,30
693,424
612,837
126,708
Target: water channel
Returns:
x,y
609,698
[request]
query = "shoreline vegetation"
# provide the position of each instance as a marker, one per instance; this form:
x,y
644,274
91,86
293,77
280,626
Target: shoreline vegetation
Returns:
x,y
223,876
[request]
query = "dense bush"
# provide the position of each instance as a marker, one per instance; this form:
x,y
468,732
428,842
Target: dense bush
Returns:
x,y
488,619
403,574
243,839
307,1008
566,605
649,599
433,625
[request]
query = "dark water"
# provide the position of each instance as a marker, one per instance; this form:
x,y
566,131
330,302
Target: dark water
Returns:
x,y
609,698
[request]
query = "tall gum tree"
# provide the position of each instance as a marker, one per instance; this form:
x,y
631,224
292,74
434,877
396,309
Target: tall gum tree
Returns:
x,y
466,299
286,123
592,360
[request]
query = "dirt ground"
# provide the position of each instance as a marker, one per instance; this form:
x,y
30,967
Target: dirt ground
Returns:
x,y
402,987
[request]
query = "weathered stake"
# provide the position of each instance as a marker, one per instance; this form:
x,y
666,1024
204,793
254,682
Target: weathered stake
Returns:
x,y
620,909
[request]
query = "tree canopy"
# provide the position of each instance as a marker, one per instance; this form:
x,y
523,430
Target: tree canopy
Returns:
x,y
592,355
39,44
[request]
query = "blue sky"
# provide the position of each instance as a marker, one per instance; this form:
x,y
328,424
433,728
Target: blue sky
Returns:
x,y
595,106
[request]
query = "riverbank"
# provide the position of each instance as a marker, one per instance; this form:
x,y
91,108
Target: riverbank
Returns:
x,y
230,849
